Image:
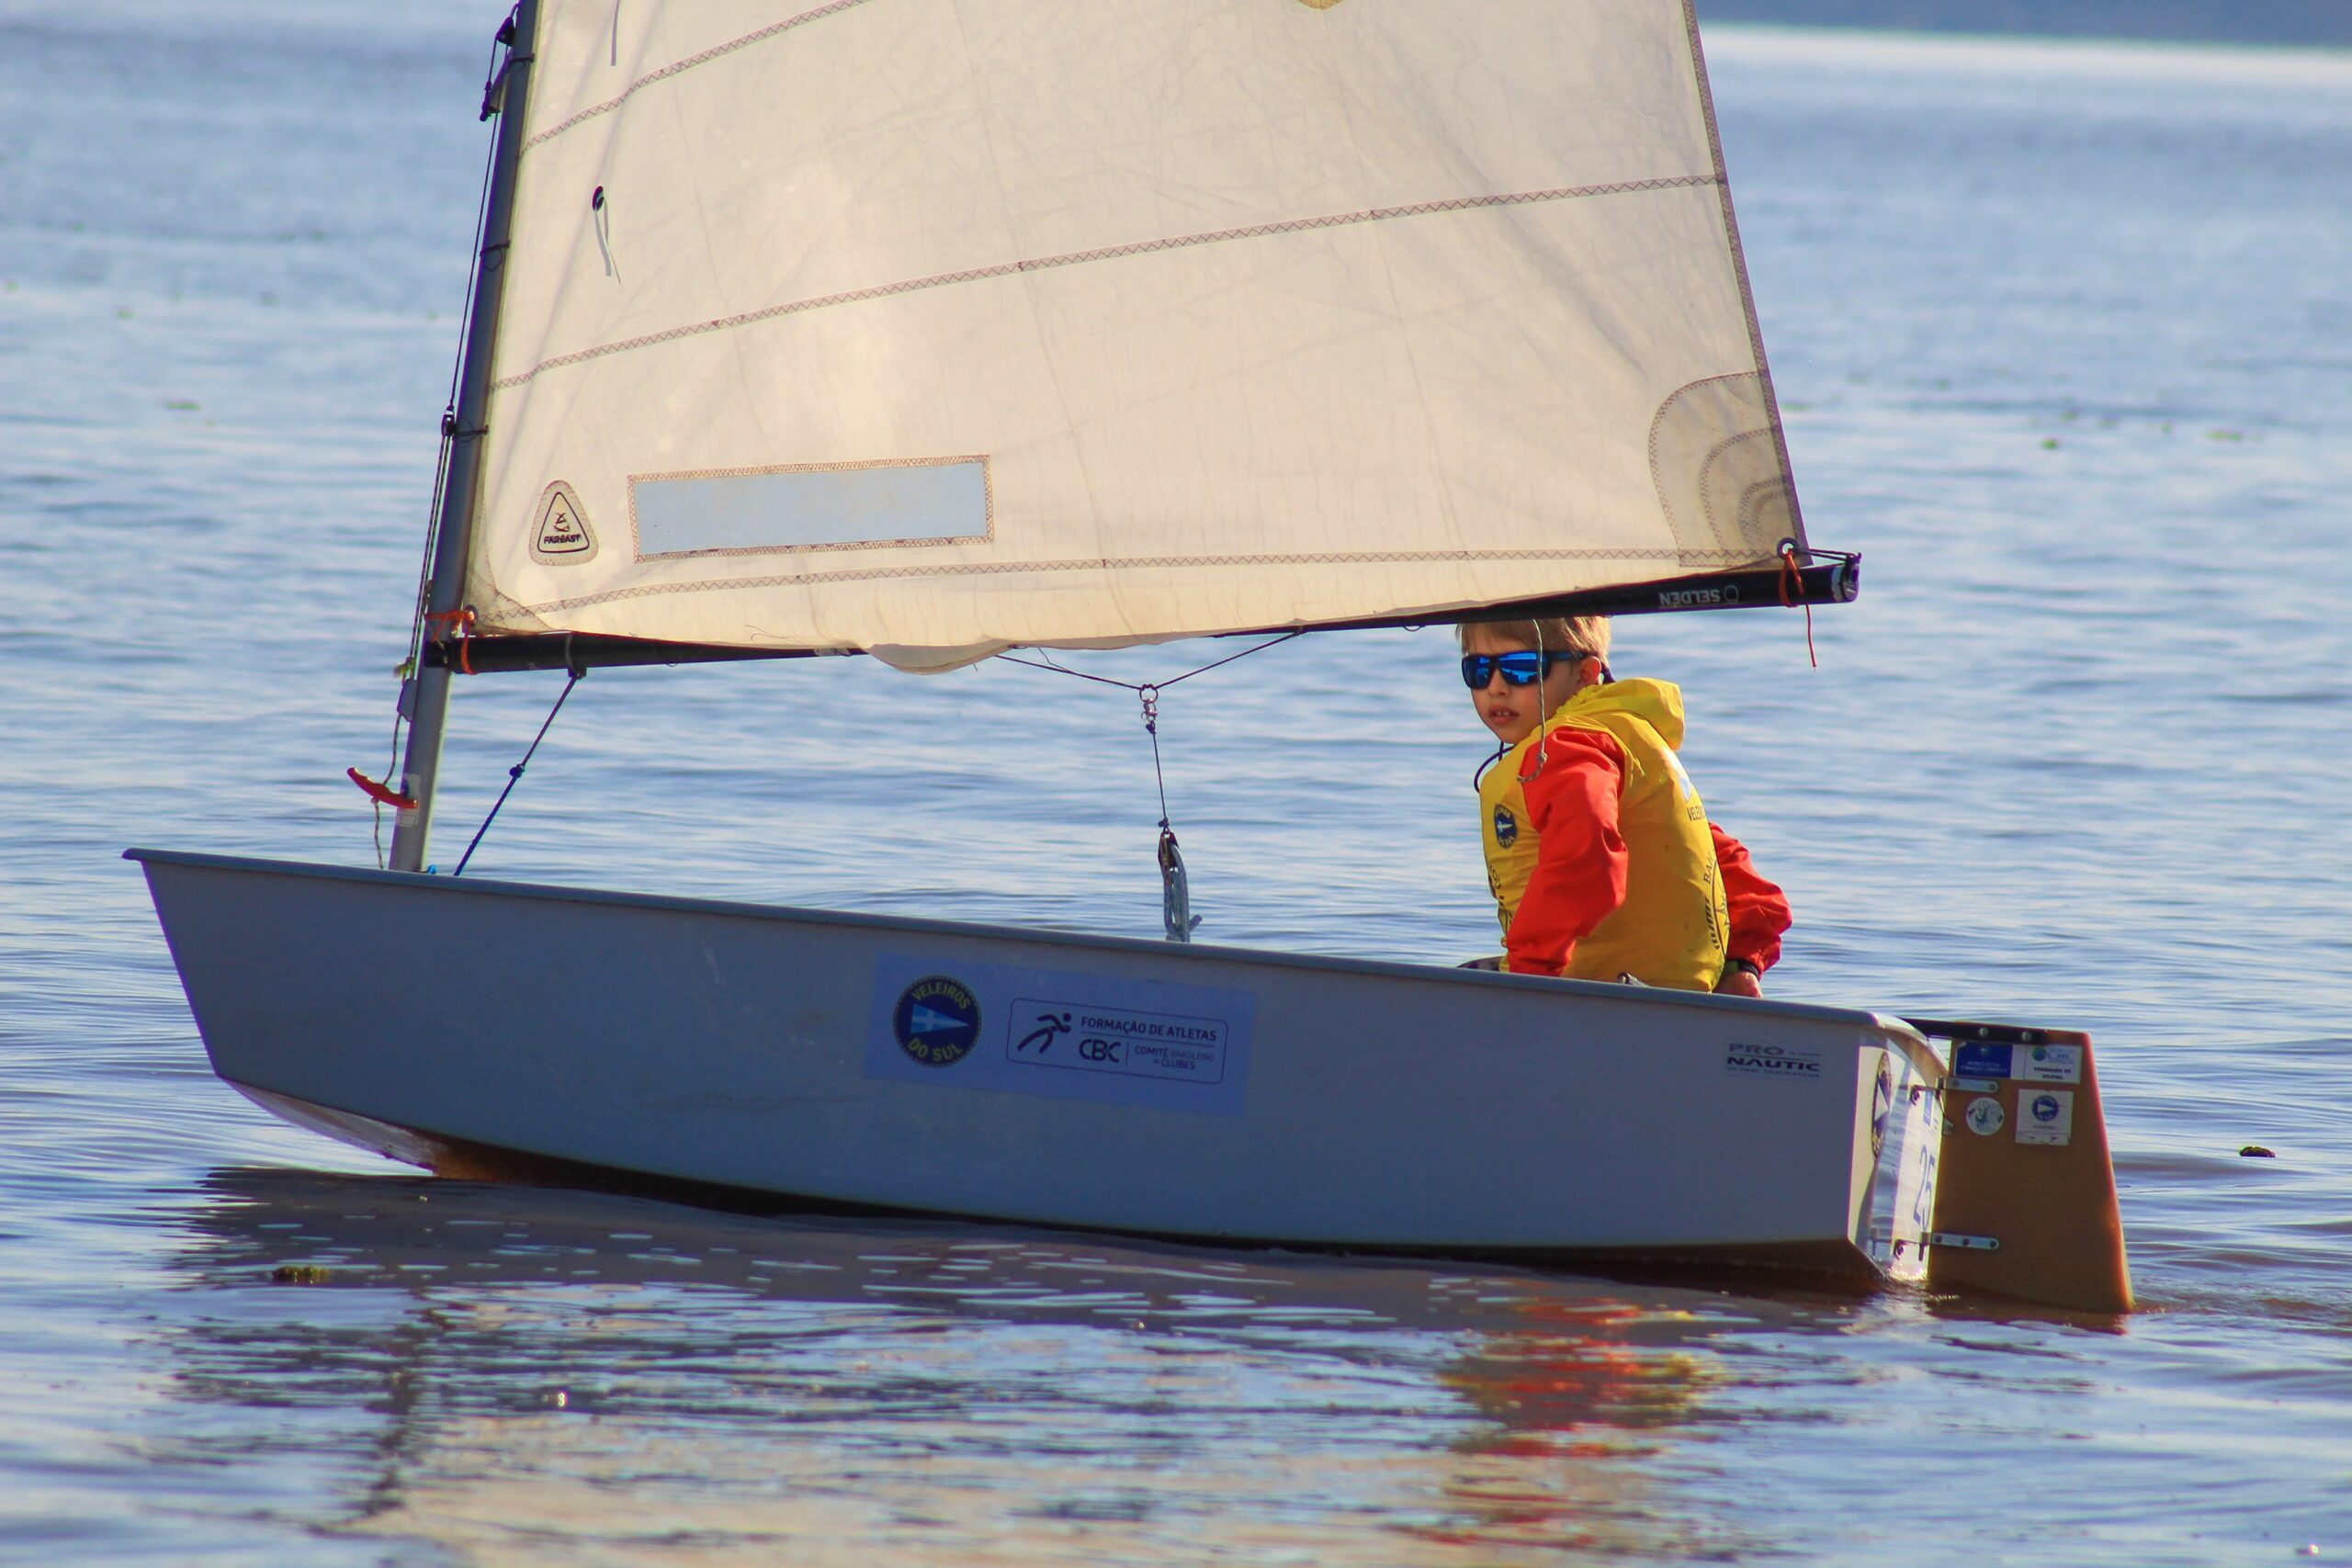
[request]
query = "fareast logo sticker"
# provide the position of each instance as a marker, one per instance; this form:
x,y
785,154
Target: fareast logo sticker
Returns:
x,y
561,536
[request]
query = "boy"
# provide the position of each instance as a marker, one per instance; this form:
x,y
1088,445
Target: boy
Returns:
x,y
1602,862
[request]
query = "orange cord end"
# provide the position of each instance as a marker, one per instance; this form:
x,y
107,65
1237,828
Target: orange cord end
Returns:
x,y
1792,594
463,621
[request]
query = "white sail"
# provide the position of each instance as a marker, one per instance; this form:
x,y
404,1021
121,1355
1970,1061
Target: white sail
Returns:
x,y
932,327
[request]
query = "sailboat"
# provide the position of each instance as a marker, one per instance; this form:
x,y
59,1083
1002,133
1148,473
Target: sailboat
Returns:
x,y
925,332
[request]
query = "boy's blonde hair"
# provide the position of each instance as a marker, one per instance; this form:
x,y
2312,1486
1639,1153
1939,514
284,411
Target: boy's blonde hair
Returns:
x,y
1553,634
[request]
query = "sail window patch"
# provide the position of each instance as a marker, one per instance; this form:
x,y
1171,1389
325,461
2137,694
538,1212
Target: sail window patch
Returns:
x,y
923,501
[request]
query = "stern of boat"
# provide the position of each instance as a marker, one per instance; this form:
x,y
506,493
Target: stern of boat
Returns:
x,y
2024,1201
1898,1136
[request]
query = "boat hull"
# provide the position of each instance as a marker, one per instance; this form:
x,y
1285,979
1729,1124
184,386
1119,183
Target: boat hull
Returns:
x,y
1216,1095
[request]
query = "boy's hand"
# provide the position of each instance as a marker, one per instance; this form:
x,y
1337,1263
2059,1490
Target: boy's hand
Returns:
x,y
1738,982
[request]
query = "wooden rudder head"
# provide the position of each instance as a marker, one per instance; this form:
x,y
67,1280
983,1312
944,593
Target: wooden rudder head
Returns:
x,y
2025,1165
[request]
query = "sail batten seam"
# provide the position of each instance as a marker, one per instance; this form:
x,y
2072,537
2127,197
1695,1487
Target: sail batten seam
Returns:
x,y
1105,253
675,67
1132,563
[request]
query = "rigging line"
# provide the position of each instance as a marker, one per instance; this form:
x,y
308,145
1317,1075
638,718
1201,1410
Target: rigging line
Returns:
x,y
514,773
457,368
1542,718
1045,662
410,665
1148,691
1064,670
481,223
1150,695
1175,885
1792,592
407,667
1231,657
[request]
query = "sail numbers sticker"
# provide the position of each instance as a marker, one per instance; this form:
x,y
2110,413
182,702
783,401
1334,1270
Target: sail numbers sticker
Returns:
x,y
2045,1116
1059,1034
937,1020
561,535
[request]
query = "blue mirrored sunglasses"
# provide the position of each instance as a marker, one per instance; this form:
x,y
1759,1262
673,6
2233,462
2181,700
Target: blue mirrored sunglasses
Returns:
x,y
1520,667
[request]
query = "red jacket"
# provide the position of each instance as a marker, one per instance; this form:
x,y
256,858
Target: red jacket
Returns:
x,y
1580,876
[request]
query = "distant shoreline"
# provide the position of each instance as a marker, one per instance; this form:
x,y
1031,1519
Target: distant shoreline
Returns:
x,y
2325,24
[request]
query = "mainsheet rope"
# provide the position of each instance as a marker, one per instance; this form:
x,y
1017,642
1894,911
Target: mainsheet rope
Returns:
x,y
1175,886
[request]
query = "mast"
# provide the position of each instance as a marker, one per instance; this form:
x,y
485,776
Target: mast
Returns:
x,y
427,694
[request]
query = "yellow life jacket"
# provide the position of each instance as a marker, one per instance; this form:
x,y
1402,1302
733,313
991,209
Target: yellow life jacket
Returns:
x,y
1670,929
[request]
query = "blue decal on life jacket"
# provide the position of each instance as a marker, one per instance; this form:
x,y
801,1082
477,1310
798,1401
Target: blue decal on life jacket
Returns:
x,y
1506,826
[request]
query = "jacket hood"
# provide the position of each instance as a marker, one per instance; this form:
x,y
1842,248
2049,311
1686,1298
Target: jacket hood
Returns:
x,y
1657,704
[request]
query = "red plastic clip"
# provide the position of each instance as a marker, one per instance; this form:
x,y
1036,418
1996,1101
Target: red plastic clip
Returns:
x,y
464,621
382,795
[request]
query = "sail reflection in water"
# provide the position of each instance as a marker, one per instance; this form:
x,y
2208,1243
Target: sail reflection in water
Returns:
x,y
557,1373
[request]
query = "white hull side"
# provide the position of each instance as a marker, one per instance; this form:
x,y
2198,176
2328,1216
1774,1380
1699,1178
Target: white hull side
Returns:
x,y
1364,1105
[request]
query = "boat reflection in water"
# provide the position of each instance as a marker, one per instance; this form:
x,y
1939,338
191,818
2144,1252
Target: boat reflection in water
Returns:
x,y
1584,1386
525,1375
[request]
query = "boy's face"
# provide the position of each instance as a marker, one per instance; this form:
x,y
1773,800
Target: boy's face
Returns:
x,y
1513,712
